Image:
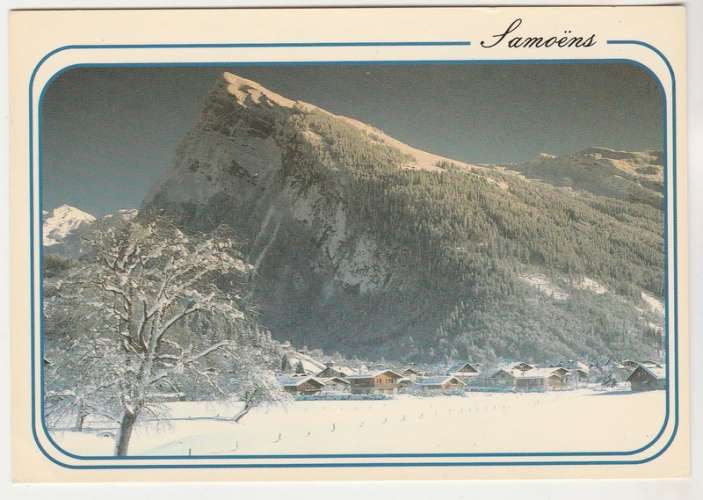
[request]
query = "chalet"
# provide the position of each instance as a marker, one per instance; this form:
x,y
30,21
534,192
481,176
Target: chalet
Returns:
x,y
542,379
621,371
465,371
629,364
627,367
301,385
530,381
646,378
411,373
502,379
333,370
334,384
380,382
442,383
560,378
579,370
556,370
522,366
556,382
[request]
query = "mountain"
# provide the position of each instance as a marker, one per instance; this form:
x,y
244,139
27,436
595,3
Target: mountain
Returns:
x,y
631,176
65,227
62,222
367,246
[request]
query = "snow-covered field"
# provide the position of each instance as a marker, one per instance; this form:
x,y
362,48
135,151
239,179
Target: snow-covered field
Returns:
x,y
579,420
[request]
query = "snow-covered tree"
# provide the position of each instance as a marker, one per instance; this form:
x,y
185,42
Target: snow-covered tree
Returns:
x,y
162,310
299,368
258,388
82,382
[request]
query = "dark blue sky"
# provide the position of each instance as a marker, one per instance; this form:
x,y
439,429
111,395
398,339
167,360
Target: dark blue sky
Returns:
x,y
108,134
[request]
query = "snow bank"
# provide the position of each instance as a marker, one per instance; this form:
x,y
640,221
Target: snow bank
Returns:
x,y
480,422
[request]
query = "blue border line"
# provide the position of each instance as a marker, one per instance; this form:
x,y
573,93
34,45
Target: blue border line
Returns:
x,y
370,455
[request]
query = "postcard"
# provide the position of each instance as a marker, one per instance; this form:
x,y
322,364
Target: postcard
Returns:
x,y
370,243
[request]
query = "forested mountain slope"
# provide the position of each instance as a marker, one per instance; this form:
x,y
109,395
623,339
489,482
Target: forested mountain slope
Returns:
x,y
364,245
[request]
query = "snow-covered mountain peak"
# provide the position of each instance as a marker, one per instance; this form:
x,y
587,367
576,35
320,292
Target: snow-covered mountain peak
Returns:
x,y
66,227
246,91
63,221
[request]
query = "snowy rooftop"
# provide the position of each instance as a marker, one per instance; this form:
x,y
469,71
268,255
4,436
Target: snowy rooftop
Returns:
x,y
437,380
536,373
332,380
655,371
287,381
375,374
462,366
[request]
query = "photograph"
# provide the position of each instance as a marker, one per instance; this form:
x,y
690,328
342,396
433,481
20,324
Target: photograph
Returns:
x,y
370,258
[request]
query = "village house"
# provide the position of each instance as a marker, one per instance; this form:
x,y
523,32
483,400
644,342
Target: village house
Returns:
x,y
333,370
380,382
301,385
580,371
502,379
646,378
441,383
555,370
522,366
620,372
561,378
411,373
334,384
627,367
465,371
629,364
530,381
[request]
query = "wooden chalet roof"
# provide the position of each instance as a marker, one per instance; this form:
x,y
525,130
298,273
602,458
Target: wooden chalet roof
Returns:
x,y
656,372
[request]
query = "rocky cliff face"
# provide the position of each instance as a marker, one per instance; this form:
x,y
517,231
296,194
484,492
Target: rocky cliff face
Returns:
x,y
363,244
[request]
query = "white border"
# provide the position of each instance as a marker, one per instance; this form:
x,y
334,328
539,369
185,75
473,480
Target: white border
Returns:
x,y
573,489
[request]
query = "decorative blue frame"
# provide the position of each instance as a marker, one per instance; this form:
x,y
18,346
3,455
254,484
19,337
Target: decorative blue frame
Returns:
x,y
551,455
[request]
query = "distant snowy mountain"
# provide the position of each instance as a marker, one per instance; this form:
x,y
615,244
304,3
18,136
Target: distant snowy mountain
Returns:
x,y
636,177
62,222
65,226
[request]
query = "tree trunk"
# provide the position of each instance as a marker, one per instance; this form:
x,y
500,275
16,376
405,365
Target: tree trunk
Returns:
x,y
80,417
126,427
79,421
241,414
